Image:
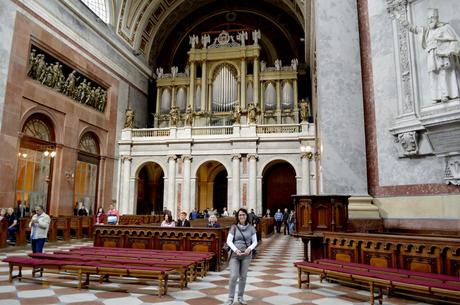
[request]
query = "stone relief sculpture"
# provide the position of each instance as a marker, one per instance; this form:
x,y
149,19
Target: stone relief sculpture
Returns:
x,y
52,75
303,110
442,45
129,117
452,171
236,114
408,141
189,116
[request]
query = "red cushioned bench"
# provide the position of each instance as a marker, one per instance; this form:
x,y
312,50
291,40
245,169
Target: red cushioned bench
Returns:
x,y
202,259
183,268
439,287
88,267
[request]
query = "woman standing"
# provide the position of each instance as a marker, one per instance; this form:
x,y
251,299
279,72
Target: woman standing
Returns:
x,y
242,239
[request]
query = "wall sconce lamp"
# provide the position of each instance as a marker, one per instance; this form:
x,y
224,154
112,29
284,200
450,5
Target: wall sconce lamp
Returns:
x,y
23,155
69,176
49,153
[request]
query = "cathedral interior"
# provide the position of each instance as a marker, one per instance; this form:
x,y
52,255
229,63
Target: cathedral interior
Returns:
x,y
345,111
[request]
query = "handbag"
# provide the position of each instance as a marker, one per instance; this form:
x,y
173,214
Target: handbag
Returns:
x,y
254,251
227,248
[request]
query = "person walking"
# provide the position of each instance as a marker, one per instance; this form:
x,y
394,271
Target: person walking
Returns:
x,y
39,225
278,219
242,240
285,221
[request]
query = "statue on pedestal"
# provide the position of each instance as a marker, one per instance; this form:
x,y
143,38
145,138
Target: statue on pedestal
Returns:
x,y
252,114
236,114
173,116
189,116
303,110
129,117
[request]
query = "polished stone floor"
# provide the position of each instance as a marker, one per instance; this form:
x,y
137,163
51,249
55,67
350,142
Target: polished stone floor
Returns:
x,y
271,280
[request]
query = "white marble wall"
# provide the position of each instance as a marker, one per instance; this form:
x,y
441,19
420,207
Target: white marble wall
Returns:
x,y
340,102
7,14
393,170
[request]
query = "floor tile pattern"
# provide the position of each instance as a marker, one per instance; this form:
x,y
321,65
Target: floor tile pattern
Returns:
x,y
271,280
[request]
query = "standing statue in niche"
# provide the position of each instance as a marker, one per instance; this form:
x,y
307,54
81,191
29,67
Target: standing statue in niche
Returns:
x,y
188,116
33,59
129,117
442,45
303,110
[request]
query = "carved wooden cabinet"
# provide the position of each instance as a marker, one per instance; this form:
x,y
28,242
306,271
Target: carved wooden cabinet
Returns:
x,y
321,213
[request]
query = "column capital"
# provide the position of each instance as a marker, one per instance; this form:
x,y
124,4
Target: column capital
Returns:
x,y
187,157
172,157
126,158
306,155
236,156
253,156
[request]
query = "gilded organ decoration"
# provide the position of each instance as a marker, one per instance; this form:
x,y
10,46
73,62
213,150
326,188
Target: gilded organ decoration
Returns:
x,y
73,85
222,79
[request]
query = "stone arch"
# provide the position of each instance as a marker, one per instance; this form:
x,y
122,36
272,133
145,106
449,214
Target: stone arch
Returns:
x,y
279,175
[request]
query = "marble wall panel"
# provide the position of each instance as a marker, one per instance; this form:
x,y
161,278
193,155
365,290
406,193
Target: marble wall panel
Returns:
x,y
340,103
392,170
7,16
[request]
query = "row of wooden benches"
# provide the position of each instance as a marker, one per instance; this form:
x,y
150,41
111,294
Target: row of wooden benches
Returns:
x,y
105,262
430,285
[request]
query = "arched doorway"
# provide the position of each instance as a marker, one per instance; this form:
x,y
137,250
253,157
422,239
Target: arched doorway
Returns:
x,y
278,184
212,185
87,172
35,163
150,186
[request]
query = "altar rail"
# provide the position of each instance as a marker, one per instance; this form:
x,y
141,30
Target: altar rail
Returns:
x,y
162,238
416,253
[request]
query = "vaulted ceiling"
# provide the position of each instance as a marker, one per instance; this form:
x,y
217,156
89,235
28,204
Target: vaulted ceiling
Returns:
x,y
159,29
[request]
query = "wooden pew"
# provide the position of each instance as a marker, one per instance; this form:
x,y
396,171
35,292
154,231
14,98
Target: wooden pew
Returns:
x,y
161,238
63,225
3,233
427,285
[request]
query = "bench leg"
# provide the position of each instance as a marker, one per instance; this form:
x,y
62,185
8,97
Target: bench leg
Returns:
x,y
20,273
10,277
299,278
371,285
380,296
79,279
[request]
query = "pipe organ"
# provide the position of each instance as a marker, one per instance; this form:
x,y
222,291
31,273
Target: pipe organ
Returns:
x,y
226,85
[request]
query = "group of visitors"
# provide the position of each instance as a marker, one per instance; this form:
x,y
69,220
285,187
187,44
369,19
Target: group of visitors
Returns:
x,y
184,222
287,218
10,217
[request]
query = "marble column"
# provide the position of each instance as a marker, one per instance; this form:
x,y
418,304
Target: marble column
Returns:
x,y
125,195
252,189
193,193
191,95
243,84
343,167
173,97
256,82
204,86
186,198
306,163
170,201
235,182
